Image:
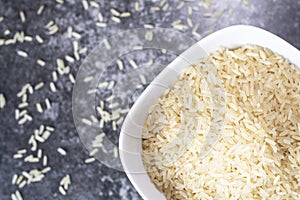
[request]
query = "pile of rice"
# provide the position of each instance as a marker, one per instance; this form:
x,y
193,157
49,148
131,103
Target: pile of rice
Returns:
x,y
258,153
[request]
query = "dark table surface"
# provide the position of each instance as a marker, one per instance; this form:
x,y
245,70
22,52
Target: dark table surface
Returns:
x,y
94,180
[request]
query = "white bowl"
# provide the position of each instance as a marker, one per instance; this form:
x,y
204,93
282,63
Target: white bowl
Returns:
x,y
130,146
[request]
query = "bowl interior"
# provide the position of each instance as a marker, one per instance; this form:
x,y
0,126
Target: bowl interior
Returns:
x,y
130,146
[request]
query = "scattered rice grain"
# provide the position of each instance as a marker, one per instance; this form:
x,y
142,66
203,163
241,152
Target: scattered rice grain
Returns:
x,y
62,191
94,4
115,12
61,151
2,101
85,4
100,17
111,85
40,10
89,160
41,62
120,64
60,1
22,184
69,59
22,16
106,44
18,195
86,121
22,53
45,160
72,79
14,179
52,87
101,24
48,104
76,35
39,39
132,63
39,107
88,79
114,126
39,86
116,19
125,14
136,6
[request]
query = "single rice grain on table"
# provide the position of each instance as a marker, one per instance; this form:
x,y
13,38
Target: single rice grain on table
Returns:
x,y
257,155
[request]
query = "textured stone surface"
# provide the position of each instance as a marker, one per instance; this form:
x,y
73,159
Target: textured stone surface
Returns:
x,y
93,181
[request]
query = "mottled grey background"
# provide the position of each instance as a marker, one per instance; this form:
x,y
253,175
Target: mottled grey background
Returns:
x,y
92,181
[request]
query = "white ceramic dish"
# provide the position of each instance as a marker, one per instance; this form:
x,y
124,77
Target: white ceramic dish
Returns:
x,y
130,147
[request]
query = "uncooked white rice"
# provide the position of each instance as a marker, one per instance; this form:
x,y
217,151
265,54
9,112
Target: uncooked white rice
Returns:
x,y
111,85
103,84
143,79
76,35
133,63
72,79
116,19
48,104
22,121
40,153
86,121
258,154
137,47
16,156
94,4
61,151
23,105
22,16
136,6
114,126
14,179
45,170
69,58
92,91
45,160
28,38
39,86
120,64
40,10
116,152
18,195
100,17
22,184
31,159
52,87
125,14
6,32
115,12
101,24
22,53
19,180
22,151
85,4
39,39
2,101
39,107
62,190
106,44
89,160
93,152
82,50
150,26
